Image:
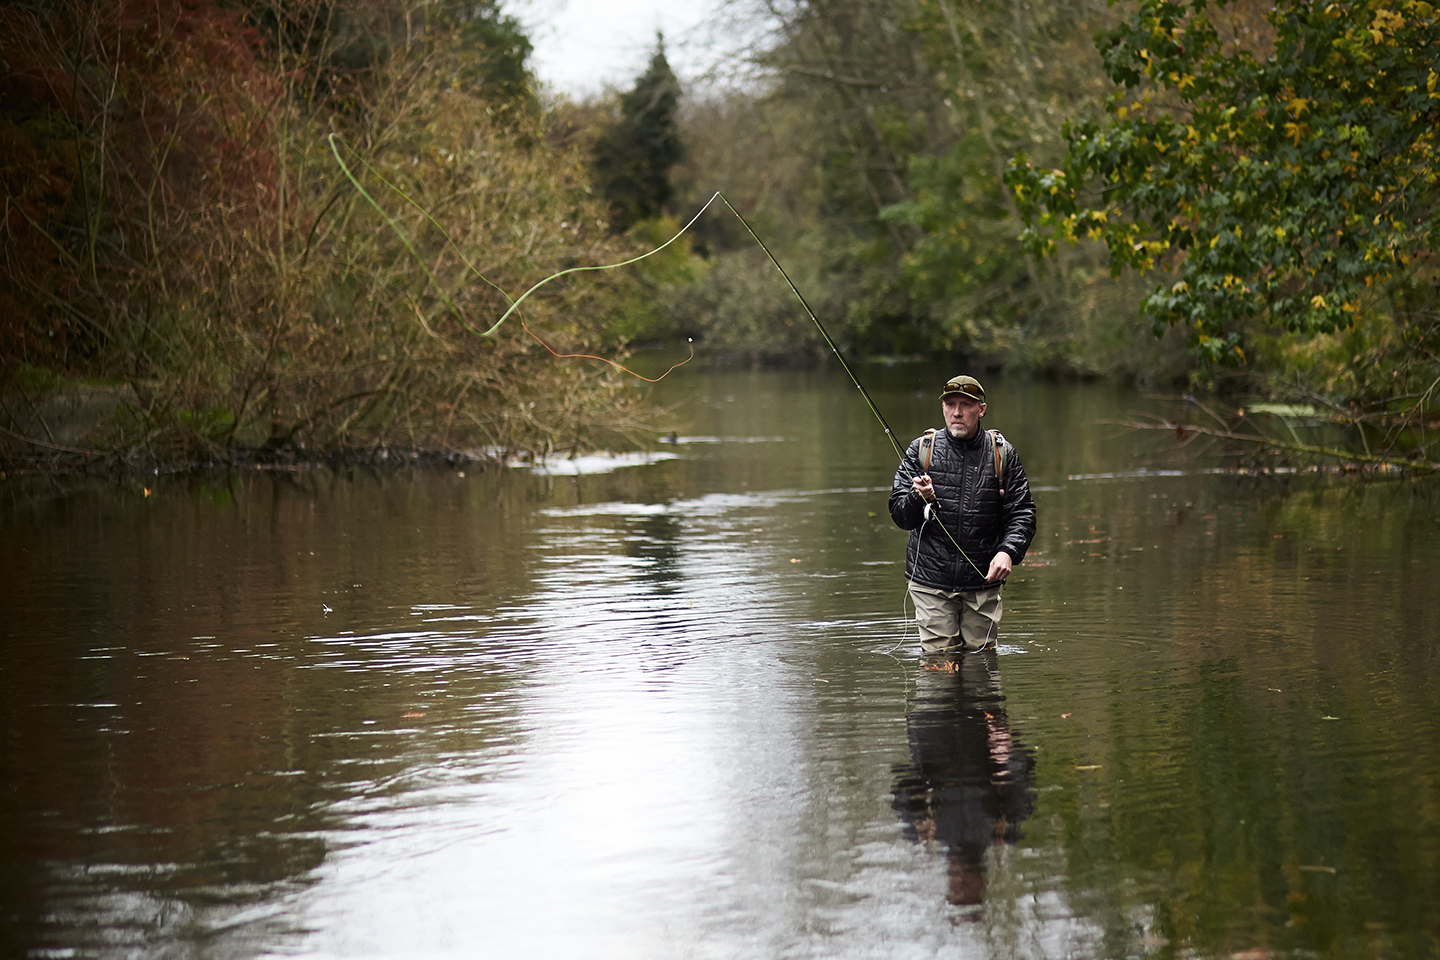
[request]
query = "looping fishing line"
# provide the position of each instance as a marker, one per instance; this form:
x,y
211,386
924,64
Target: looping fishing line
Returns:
x,y
617,366
905,597
905,622
515,304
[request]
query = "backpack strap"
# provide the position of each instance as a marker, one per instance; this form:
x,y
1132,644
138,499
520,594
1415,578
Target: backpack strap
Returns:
x,y
996,440
927,449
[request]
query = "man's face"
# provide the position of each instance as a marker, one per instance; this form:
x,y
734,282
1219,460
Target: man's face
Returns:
x,y
962,415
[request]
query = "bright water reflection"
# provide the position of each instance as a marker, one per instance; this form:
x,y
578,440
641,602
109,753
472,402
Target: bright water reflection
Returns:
x,y
669,710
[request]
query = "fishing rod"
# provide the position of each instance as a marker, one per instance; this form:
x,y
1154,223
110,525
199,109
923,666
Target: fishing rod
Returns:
x,y
889,434
932,507
930,514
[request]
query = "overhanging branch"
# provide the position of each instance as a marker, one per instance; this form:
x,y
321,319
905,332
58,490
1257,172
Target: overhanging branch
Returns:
x,y
1413,465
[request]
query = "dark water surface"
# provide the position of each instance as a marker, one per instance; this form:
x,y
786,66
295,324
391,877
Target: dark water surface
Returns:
x,y
670,709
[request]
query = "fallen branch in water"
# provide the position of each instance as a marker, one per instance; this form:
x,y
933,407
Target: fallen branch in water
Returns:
x,y
1185,431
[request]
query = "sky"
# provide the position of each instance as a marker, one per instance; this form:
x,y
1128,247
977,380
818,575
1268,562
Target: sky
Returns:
x,y
581,46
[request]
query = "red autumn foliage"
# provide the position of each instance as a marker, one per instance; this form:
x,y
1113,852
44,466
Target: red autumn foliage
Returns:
x,y
119,120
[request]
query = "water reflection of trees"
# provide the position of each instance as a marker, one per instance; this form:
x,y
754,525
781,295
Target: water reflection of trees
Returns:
x,y
968,783
1232,718
655,540
191,733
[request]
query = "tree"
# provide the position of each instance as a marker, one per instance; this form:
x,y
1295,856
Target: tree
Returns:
x,y
491,52
1284,169
880,132
182,246
633,158
1004,76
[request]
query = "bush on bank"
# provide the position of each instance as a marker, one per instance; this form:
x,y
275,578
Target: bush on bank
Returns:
x,y
191,275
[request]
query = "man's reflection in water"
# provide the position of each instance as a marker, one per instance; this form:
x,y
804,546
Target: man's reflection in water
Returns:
x,y
968,783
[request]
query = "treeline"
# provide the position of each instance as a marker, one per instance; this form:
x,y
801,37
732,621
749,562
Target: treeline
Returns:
x,y
870,144
286,225
1239,196
194,268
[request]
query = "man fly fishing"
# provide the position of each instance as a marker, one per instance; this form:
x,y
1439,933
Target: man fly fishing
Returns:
x,y
963,495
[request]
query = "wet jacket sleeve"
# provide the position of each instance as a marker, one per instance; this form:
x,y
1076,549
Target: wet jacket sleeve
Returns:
x,y
907,508
1018,509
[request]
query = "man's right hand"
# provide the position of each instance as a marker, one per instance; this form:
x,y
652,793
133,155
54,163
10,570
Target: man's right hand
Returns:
x,y
924,487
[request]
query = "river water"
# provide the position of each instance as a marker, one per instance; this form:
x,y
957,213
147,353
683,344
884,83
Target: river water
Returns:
x,y
670,708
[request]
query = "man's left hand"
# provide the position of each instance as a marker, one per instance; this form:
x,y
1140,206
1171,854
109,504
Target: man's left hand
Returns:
x,y
999,567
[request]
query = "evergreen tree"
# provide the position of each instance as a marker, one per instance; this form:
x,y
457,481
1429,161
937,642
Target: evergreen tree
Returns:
x,y
490,53
633,158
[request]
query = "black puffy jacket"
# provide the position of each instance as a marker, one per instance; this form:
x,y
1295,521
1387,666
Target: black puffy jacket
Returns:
x,y
970,505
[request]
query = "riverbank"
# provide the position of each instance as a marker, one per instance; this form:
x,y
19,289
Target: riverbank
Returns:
x,y
1253,455
91,428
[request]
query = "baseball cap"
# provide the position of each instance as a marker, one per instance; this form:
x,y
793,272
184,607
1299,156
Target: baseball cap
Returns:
x,y
965,386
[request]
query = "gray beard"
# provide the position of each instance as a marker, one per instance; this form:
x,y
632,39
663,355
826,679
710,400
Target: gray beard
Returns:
x,y
956,435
